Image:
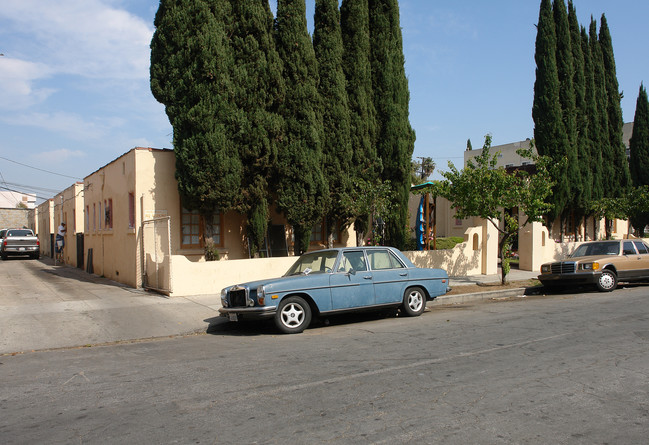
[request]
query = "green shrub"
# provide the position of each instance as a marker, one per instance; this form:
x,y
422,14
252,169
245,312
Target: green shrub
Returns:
x,y
447,243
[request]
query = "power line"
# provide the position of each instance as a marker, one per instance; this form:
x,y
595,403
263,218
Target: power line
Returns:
x,y
40,169
23,193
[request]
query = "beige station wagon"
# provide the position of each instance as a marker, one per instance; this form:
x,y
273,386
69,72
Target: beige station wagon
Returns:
x,y
602,263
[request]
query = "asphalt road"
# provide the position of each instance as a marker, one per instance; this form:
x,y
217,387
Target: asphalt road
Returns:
x,y
561,369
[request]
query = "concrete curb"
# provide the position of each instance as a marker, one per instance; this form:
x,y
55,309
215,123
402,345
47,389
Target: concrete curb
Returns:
x,y
478,296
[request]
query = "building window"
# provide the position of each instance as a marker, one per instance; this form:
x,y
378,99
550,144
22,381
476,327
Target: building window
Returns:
x,y
108,214
94,217
213,228
190,229
87,218
195,228
319,233
100,217
131,210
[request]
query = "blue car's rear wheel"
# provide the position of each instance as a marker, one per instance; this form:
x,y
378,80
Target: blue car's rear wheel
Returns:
x,y
293,315
414,302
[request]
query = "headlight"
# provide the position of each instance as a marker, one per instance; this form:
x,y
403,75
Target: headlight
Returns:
x,y
261,295
589,266
546,268
224,297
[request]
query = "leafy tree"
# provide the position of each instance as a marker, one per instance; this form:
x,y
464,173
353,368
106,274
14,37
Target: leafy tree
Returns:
x,y
421,170
549,131
258,92
396,138
620,179
499,192
354,23
191,67
336,143
373,198
301,187
639,162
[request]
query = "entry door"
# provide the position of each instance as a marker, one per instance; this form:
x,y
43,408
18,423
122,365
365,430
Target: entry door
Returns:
x,y
351,284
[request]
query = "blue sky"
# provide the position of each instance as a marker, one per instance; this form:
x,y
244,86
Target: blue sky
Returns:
x,y
74,79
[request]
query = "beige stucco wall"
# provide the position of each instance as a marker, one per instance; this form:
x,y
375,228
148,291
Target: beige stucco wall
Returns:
x,y
67,207
45,215
195,278
464,259
209,277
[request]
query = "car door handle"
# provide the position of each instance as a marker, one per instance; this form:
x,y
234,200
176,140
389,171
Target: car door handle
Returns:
x,y
368,277
403,274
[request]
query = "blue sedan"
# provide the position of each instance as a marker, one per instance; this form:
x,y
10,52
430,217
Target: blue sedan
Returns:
x,y
333,281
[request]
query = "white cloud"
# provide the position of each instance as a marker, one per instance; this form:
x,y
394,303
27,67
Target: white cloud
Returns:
x,y
70,125
17,78
60,155
82,37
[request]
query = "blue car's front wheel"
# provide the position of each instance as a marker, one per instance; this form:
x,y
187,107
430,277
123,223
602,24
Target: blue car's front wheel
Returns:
x,y
293,315
414,302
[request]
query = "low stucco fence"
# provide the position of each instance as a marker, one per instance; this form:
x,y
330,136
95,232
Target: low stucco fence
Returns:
x,y
198,278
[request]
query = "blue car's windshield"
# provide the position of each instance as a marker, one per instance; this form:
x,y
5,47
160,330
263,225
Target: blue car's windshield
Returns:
x,y
314,262
602,248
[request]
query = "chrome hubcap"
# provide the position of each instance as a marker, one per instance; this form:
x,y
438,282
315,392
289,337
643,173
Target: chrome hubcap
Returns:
x,y
606,281
415,301
292,315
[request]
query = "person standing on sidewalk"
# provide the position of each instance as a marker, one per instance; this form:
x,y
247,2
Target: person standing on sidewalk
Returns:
x,y
60,243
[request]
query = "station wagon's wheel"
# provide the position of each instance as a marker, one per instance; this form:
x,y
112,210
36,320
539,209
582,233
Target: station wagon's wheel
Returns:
x,y
607,281
414,302
293,315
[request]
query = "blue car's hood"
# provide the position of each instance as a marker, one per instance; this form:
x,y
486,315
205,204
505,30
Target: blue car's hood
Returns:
x,y
292,282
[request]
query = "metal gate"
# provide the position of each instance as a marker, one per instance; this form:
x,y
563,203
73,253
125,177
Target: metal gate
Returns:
x,y
156,254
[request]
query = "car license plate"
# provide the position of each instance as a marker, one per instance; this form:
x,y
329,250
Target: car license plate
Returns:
x,y
233,317
21,248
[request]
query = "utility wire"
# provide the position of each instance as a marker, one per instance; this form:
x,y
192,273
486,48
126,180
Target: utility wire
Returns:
x,y
40,169
22,193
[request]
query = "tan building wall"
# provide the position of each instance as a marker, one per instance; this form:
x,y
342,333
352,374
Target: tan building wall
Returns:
x,y
68,208
139,187
45,217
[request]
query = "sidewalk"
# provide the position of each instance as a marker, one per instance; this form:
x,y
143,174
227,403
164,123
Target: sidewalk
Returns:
x,y
70,308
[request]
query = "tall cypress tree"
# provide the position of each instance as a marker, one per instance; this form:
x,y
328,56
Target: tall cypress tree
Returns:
x,y
258,92
546,109
301,188
336,143
639,144
396,138
594,130
191,75
567,100
582,200
354,23
614,110
602,143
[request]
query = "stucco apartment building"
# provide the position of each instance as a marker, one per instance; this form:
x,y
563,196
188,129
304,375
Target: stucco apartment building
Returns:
x,y
134,223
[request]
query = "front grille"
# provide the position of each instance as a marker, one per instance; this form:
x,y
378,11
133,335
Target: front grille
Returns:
x,y
238,297
562,268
